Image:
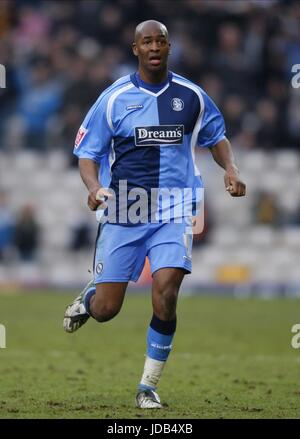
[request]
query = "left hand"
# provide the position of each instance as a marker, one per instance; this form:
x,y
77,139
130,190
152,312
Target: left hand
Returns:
x,y
234,185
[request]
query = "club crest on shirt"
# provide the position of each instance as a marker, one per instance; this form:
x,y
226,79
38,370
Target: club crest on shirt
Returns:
x,y
177,104
99,268
80,135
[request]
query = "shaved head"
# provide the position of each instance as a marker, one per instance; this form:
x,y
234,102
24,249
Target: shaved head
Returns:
x,y
150,26
152,47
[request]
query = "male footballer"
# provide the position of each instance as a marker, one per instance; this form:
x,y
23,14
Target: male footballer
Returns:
x,y
141,134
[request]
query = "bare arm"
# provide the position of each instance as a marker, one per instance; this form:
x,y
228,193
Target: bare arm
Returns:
x,y
223,155
89,173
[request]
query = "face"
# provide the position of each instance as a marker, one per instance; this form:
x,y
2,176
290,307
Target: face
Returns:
x,y
152,48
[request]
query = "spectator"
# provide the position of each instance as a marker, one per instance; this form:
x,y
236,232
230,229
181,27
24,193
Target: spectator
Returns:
x,y
269,132
81,236
6,227
266,211
38,102
233,112
27,234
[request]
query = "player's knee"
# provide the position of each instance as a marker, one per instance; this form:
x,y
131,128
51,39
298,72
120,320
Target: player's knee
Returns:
x,y
166,299
167,292
105,312
169,295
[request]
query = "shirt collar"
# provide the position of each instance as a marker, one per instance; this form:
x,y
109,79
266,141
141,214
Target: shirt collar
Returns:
x,y
151,87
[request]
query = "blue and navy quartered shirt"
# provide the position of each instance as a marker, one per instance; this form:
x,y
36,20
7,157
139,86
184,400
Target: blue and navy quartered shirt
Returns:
x,y
146,135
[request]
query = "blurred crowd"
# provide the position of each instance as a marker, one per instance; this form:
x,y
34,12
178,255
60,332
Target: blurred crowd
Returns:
x,y
60,55
20,232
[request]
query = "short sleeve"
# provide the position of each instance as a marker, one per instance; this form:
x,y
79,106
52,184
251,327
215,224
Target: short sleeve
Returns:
x,y
94,135
212,128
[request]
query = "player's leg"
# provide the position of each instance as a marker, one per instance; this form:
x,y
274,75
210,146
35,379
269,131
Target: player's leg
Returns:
x,y
170,259
107,300
102,302
116,262
165,288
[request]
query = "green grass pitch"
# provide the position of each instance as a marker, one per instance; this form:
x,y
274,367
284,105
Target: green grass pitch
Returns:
x,y
231,359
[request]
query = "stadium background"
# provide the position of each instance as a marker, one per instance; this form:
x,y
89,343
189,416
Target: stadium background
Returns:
x,y
59,56
232,358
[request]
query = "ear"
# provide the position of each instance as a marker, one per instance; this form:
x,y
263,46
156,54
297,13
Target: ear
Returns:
x,y
170,50
134,49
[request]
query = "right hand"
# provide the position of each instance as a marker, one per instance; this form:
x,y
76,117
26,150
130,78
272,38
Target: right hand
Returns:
x,y
96,198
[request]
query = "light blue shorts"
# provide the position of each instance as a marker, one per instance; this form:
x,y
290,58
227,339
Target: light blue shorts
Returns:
x,y
121,250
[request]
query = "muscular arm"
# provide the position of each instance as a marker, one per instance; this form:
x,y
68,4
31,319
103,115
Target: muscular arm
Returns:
x,y
223,155
89,173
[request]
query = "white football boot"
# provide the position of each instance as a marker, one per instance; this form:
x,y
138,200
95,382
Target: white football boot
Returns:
x,y
75,314
148,399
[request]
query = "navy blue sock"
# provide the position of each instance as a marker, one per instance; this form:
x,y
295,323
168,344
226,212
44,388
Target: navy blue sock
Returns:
x,y
159,338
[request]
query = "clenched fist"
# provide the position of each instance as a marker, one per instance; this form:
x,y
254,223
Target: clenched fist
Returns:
x,y
96,198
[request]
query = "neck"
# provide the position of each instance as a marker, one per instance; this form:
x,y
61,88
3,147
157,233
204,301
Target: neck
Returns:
x,y
153,77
